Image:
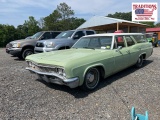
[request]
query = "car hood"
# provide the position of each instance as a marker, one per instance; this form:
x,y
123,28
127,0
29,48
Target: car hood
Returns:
x,y
66,57
22,40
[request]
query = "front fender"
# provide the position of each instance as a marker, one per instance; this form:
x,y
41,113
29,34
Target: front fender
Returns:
x,y
81,71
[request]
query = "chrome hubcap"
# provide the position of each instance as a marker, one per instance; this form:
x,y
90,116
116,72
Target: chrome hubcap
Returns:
x,y
90,77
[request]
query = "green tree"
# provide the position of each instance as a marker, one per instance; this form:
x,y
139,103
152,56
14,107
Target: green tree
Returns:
x,y
150,24
76,22
30,26
121,15
62,19
51,22
157,24
66,12
6,34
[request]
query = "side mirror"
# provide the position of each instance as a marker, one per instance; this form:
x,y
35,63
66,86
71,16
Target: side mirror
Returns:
x,y
118,49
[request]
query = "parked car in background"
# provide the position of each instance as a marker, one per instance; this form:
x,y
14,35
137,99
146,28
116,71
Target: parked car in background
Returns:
x,y
64,40
153,38
90,59
25,47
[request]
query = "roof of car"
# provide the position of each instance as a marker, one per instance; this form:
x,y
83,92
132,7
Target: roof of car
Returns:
x,y
112,34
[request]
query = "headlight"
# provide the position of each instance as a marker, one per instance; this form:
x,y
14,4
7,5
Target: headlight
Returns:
x,y
29,64
61,72
49,44
16,45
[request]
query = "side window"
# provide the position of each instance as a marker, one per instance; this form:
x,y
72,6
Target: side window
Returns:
x,y
129,41
119,41
89,32
94,43
47,35
139,38
106,41
78,35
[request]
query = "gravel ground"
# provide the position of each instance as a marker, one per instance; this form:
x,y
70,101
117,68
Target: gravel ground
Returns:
x,y
23,96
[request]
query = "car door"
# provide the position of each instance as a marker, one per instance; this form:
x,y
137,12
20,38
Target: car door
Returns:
x,y
121,54
133,51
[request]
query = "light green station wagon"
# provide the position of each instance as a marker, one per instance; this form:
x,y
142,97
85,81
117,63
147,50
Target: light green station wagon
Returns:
x,y
91,58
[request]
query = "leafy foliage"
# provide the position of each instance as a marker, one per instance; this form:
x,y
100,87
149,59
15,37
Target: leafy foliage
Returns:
x,y
7,34
121,15
158,24
150,24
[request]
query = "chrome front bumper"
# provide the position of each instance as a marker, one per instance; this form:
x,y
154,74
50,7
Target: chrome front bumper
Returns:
x,y
14,51
55,78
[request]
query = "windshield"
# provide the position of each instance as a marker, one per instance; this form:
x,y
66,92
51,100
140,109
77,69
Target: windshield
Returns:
x,y
94,42
36,36
65,34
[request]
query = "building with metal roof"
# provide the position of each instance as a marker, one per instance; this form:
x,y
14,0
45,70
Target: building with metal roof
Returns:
x,y
108,24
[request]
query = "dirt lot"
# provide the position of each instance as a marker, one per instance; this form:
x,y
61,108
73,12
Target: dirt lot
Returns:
x,y
23,96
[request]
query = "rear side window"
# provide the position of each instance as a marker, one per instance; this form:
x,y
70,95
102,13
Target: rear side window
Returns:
x,y
89,32
129,41
139,38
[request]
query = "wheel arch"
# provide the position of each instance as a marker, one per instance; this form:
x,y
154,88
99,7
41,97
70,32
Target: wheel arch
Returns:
x,y
100,67
143,54
27,46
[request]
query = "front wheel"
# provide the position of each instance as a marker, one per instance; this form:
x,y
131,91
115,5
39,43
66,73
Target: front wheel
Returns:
x,y
139,62
27,52
91,79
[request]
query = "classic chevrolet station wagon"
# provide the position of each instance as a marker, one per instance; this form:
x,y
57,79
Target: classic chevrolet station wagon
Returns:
x,y
90,59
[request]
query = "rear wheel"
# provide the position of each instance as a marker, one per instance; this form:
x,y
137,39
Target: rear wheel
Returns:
x,y
91,79
139,62
27,52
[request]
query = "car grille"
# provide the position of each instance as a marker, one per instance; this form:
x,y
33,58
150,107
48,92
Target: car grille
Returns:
x,y
44,69
39,44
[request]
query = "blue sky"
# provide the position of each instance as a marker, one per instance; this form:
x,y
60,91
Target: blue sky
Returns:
x,y
15,12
